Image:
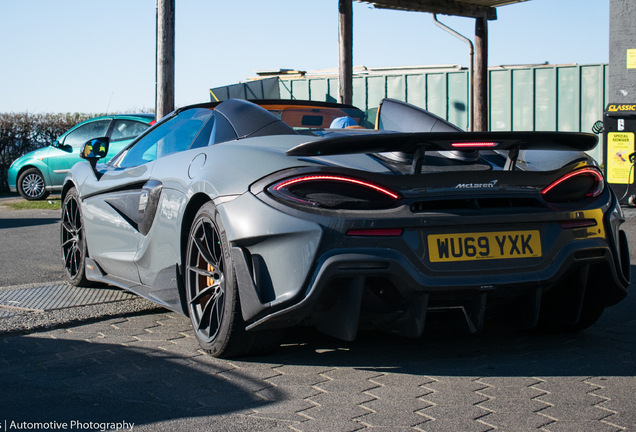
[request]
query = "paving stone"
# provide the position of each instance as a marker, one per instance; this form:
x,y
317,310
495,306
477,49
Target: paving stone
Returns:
x,y
453,423
340,399
159,336
251,380
392,415
283,410
580,426
342,412
512,405
493,380
516,421
444,412
331,425
296,392
296,380
397,392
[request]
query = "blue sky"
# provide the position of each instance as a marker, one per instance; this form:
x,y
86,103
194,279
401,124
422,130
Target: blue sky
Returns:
x,y
94,55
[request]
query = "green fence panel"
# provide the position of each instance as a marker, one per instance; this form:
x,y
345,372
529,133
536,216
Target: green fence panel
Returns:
x,y
376,91
592,83
285,89
500,98
416,90
332,96
436,95
545,101
458,99
360,92
522,95
396,87
319,89
592,101
300,89
568,99
549,98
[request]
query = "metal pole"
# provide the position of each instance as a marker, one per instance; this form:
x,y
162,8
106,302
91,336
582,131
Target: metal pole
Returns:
x,y
345,52
471,51
165,58
481,74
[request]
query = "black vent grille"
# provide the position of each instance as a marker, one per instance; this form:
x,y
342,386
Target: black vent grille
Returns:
x,y
475,204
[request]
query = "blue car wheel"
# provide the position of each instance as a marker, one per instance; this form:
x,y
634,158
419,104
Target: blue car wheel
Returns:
x,y
31,185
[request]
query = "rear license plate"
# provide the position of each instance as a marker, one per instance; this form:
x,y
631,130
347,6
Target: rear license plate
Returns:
x,y
484,246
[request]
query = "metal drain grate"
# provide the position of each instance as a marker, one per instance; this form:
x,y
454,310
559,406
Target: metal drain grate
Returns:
x,y
50,297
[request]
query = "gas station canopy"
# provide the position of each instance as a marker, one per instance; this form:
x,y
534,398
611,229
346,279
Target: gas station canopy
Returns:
x,y
466,8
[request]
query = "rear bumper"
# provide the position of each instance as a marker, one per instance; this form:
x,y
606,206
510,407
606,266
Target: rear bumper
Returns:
x,y
339,288
392,266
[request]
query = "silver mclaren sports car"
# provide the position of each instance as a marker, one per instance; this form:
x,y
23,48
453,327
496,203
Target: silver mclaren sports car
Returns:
x,y
255,216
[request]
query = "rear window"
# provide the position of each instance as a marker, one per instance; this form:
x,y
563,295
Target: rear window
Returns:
x,y
301,117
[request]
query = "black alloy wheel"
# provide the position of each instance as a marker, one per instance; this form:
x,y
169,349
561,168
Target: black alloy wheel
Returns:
x,y
31,185
72,239
212,292
206,277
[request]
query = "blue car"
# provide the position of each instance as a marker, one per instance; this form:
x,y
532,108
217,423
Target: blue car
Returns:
x,y
40,172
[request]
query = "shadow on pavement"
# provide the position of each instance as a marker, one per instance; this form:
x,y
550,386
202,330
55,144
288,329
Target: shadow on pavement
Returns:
x,y
45,379
27,222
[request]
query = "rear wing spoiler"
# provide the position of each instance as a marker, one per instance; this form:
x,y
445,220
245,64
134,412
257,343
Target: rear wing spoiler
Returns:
x,y
417,143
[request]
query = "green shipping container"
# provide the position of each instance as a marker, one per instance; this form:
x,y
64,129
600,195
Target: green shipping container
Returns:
x,y
538,98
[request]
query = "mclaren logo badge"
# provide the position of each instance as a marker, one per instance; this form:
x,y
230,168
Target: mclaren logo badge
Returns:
x,y
476,185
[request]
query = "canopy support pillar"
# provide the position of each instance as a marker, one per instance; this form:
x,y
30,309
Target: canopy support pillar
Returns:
x,y
345,52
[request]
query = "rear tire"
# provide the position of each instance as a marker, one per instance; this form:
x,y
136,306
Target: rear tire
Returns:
x,y
212,292
31,185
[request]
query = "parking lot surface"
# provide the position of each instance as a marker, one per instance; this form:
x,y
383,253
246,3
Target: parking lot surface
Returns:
x,y
129,363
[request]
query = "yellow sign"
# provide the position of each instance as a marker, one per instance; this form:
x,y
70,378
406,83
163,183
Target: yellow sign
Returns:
x,y
631,59
619,146
615,108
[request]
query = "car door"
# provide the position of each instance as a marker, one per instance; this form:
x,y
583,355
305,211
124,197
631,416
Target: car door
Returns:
x,y
114,207
62,158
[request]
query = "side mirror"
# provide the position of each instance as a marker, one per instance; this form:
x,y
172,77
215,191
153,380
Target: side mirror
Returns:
x,y
94,150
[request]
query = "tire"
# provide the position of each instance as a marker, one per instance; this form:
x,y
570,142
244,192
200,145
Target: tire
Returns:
x,y
73,240
31,185
212,292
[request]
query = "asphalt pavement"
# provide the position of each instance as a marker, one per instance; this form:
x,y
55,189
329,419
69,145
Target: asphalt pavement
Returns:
x,y
130,365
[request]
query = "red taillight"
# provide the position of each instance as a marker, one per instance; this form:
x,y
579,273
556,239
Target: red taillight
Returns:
x,y
383,232
313,178
574,186
475,145
151,123
334,192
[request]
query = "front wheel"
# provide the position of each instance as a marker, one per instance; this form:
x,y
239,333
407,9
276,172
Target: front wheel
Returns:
x,y
212,292
73,240
31,185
